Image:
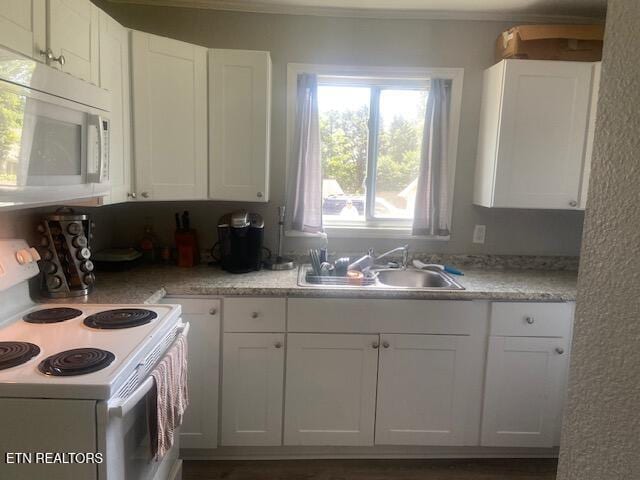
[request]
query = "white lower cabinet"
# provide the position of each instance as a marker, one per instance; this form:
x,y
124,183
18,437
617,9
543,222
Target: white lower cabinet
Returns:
x,y
252,388
331,389
425,386
526,374
524,391
200,425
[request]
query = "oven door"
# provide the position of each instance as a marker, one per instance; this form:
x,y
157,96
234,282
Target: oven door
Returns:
x,y
128,448
50,148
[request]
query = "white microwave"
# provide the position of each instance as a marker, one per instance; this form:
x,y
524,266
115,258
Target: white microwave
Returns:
x,y
54,135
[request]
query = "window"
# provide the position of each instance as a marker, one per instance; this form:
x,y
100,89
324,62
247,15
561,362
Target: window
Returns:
x,y
371,132
371,135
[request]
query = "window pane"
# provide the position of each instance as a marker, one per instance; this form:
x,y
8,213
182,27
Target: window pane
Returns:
x,y
344,117
401,123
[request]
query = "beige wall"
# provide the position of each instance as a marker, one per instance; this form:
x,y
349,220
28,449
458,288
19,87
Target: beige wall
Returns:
x,y
601,437
351,41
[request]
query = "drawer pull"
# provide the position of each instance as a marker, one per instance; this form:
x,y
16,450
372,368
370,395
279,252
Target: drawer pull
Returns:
x,y
386,344
375,345
529,320
278,345
255,315
559,350
213,311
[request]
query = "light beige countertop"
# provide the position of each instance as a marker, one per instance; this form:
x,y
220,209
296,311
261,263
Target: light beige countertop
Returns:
x,y
150,283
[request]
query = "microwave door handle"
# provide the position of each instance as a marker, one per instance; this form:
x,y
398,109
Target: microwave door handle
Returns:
x,y
95,121
122,408
100,150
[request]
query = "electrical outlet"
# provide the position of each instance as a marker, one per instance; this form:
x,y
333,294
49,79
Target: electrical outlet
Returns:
x,y
479,232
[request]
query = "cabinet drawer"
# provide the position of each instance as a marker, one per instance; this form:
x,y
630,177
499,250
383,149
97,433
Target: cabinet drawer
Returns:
x,y
343,315
531,319
194,305
254,314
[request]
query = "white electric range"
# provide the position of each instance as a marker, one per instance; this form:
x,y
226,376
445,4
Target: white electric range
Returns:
x,y
75,382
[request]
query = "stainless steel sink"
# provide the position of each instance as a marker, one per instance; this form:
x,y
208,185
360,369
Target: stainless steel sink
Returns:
x,y
385,278
411,278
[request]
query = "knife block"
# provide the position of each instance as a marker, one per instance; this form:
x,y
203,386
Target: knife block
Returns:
x,y
187,248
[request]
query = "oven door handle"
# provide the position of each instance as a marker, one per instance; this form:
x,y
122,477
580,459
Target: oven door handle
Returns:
x,y
124,406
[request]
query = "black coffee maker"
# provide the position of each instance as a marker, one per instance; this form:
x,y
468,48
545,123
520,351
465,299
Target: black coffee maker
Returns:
x,y
240,237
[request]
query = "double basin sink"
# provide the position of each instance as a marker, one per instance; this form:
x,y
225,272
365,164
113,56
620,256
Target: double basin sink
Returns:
x,y
394,278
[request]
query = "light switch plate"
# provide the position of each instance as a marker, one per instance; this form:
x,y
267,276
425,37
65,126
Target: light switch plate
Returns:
x,y
479,232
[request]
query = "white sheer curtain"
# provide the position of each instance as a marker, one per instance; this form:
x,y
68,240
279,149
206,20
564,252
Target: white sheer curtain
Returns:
x,y
431,215
305,186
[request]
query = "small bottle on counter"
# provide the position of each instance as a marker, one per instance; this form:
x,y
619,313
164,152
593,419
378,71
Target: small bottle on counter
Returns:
x,y
148,244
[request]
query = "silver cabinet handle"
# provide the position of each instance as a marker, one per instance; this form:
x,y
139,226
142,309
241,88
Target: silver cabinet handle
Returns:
x,y
573,203
386,344
559,350
278,345
529,320
375,345
48,54
145,194
255,315
213,311
259,194
132,195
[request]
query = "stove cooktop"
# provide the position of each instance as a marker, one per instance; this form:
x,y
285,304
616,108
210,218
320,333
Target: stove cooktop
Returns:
x,y
88,355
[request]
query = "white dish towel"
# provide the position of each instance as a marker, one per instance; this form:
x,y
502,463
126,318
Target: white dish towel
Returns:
x,y
168,404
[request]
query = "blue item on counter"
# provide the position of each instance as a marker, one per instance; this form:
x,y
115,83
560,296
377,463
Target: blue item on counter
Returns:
x,y
452,270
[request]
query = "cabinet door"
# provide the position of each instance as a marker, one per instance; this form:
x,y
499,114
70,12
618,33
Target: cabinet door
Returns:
x,y
542,131
252,388
114,76
73,33
524,391
588,154
200,426
23,26
239,114
331,389
425,389
169,118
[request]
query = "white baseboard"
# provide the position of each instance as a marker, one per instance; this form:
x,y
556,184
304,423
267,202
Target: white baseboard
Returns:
x,y
375,452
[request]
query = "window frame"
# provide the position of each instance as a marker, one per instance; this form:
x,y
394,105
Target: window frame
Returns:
x,y
376,78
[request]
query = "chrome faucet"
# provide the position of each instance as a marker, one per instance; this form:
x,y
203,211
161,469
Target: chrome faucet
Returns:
x,y
405,255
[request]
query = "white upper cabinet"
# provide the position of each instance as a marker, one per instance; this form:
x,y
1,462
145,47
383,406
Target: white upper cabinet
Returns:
x,y
239,116
532,135
426,384
23,26
73,36
63,33
588,154
114,76
169,118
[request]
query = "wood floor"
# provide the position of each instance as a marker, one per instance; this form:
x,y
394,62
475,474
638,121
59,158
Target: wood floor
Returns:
x,y
531,469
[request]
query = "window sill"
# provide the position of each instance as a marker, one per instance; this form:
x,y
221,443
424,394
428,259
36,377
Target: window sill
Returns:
x,y
366,232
